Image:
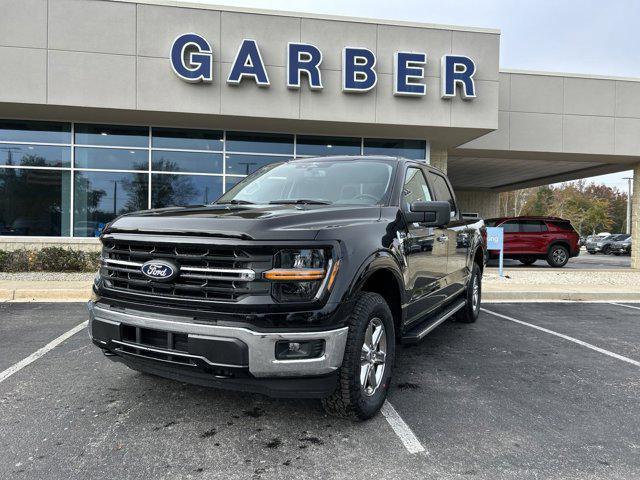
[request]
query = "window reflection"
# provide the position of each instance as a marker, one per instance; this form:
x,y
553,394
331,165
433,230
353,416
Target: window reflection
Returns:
x,y
188,139
169,190
28,131
111,158
413,149
186,162
260,142
34,202
34,155
99,197
322,146
246,164
112,135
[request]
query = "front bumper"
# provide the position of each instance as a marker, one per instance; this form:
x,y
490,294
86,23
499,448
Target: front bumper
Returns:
x,y
222,356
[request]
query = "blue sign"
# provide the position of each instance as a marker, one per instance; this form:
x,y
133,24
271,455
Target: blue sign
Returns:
x,y
495,238
191,59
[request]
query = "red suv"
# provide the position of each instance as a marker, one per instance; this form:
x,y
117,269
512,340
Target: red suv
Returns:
x,y
537,238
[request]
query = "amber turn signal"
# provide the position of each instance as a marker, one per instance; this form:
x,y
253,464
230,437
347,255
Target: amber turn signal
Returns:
x,y
295,274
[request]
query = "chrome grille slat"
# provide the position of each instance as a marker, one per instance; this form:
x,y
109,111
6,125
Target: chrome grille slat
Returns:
x,y
216,272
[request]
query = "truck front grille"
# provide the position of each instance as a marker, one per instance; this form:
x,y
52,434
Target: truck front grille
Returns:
x,y
206,272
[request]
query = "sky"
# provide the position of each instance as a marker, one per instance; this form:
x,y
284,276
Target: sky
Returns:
x,y
598,37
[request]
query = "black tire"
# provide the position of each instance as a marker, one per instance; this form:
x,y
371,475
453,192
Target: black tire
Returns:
x,y
469,313
558,256
351,399
606,250
617,254
528,261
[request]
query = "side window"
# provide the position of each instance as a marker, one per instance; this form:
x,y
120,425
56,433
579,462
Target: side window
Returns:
x,y
442,191
415,187
510,227
532,226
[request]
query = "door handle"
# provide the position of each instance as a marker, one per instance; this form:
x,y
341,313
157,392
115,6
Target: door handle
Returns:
x,y
443,238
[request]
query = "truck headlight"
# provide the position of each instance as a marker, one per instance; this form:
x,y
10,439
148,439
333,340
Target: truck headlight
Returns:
x,y
299,274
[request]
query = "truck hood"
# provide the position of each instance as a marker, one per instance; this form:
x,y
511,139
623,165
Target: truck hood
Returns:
x,y
249,222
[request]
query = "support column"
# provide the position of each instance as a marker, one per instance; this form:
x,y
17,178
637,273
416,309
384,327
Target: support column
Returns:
x,y
485,203
438,157
635,219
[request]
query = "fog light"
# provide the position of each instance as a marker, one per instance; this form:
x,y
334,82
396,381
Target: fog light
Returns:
x,y
286,350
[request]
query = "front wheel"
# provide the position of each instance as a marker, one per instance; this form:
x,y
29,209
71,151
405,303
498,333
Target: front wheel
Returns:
x,y
473,295
365,374
558,256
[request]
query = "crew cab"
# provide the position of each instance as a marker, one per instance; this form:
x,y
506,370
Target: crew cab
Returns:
x,y
297,282
532,238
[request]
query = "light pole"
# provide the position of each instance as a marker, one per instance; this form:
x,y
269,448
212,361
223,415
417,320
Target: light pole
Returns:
x,y
629,180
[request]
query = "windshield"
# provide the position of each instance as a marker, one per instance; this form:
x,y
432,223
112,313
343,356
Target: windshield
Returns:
x,y
343,182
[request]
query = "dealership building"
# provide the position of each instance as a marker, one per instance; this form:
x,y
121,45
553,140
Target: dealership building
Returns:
x,y
110,106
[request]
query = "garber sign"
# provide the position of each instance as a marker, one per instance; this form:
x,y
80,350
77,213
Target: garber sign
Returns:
x,y
192,61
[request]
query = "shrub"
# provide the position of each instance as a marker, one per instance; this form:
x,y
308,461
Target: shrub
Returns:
x,y
49,259
17,261
58,259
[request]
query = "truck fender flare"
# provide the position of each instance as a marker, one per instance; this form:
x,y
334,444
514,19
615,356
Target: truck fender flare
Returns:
x,y
380,260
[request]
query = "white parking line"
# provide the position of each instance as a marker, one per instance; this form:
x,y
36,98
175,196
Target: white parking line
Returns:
x,y
566,337
406,435
36,355
623,305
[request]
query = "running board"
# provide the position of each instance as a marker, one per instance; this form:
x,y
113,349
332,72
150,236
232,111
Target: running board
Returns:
x,y
420,331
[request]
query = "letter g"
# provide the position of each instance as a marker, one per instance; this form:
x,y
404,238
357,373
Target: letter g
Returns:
x,y
192,58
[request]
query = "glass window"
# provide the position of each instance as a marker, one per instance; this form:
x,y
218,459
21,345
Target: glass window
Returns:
x,y
113,135
111,158
321,145
99,197
532,226
511,227
34,155
41,132
247,164
187,139
347,182
260,142
166,161
442,191
415,187
169,190
413,149
34,202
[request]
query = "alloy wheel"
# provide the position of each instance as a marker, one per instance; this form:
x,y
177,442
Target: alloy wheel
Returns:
x,y
373,356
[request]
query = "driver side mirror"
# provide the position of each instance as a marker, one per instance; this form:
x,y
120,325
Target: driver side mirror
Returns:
x,y
429,214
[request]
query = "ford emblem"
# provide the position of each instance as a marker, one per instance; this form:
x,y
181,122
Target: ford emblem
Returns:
x,y
159,270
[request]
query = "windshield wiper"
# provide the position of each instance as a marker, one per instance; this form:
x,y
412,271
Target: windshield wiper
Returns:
x,y
236,202
299,201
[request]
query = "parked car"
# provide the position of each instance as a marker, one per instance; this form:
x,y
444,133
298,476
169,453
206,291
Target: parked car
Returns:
x,y
621,246
529,239
604,245
297,282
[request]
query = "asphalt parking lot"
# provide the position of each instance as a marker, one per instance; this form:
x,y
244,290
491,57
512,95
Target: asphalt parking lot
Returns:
x,y
498,399
584,261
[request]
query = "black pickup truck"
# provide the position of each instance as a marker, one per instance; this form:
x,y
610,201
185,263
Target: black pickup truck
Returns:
x,y
297,282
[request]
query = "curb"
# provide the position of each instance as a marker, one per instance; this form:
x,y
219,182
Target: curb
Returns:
x,y
555,296
53,295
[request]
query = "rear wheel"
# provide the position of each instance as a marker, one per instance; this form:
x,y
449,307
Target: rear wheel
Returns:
x,y
528,261
365,373
473,295
558,256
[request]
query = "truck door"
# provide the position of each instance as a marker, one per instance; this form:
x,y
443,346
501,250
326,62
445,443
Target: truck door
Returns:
x,y
455,238
426,258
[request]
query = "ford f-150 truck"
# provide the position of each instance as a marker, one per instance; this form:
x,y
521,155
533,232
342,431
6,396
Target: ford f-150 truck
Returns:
x,y
297,282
